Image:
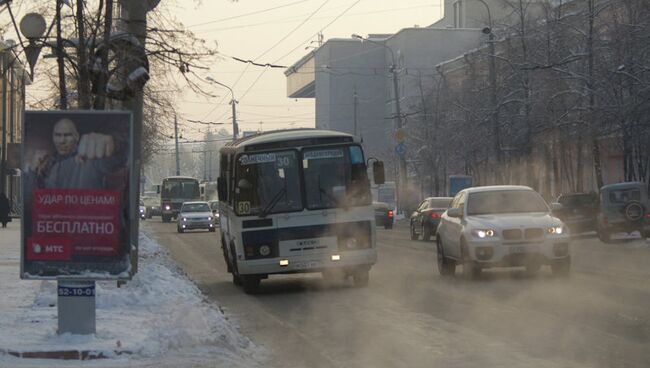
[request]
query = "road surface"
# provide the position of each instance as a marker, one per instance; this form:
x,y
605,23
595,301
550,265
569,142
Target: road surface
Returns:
x,y
409,316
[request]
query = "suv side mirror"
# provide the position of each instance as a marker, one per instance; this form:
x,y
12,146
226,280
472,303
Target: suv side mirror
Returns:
x,y
455,212
555,206
378,172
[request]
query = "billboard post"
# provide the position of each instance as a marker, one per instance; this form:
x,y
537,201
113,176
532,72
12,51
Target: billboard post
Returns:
x,y
78,187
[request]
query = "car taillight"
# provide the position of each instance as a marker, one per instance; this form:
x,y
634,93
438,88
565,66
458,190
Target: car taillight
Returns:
x,y
647,216
390,214
435,215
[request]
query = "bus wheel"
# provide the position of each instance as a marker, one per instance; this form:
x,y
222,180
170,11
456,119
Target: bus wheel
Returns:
x,y
361,277
251,283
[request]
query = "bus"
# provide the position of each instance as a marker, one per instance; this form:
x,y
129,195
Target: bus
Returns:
x,y
175,190
296,201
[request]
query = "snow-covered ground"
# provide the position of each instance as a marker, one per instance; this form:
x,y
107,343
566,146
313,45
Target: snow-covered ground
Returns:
x,y
160,317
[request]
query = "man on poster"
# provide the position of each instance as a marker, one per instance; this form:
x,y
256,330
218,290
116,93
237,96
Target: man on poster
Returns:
x,y
76,195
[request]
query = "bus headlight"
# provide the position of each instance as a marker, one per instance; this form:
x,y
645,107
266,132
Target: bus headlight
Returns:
x,y
168,207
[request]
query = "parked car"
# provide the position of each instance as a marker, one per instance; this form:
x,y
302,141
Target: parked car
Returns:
x,y
142,210
501,226
579,211
424,221
383,215
624,207
195,215
152,206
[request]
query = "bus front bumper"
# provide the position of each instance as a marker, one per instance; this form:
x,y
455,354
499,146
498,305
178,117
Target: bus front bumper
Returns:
x,y
309,263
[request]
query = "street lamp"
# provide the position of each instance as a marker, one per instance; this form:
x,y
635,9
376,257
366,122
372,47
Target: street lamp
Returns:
x,y
233,102
493,81
32,26
401,182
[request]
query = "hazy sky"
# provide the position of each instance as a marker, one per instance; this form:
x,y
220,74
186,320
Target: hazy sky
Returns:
x,y
277,32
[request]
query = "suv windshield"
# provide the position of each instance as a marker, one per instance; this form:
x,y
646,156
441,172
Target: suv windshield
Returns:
x,y
195,207
267,182
505,201
335,177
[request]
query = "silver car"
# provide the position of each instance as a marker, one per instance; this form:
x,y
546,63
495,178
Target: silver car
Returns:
x,y
195,215
501,226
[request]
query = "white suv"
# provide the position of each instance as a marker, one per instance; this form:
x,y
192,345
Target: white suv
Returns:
x,y
501,226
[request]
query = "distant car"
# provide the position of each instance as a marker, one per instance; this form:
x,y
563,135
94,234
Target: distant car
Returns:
x,y
624,207
424,221
384,215
195,215
501,226
152,206
142,210
214,207
579,211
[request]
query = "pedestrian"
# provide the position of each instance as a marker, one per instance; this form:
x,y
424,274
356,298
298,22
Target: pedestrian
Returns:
x,y
4,210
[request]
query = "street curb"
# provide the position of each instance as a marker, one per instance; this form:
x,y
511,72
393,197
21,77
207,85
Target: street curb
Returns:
x,y
65,354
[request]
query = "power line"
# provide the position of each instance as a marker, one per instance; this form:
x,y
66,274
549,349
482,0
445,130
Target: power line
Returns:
x,y
248,14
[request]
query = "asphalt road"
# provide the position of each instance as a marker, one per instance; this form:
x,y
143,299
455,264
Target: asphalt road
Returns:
x,y
411,317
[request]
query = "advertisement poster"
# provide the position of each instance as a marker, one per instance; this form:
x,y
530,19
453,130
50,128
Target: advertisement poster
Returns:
x,y
77,195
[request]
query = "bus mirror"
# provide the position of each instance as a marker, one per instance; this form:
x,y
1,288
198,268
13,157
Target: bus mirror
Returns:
x,y
244,184
221,188
378,172
157,186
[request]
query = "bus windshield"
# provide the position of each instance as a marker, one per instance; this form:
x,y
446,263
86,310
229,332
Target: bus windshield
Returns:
x,y
180,188
267,183
335,177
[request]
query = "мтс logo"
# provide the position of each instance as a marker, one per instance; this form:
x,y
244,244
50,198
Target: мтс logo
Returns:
x,y
37,248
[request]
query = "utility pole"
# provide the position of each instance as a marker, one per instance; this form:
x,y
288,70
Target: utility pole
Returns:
x,y
235,128
402,185
355,101
178,165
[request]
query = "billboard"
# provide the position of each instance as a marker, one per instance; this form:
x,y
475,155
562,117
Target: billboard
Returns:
x,y
78,192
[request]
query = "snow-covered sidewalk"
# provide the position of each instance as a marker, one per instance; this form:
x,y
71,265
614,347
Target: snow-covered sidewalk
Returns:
x,y
159,316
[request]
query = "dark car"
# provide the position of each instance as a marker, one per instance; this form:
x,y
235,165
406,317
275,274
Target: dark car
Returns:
x,y
579,211
624,207
424,221
152,206
383,215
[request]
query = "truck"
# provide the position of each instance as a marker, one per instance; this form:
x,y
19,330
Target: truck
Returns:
x,y
457,183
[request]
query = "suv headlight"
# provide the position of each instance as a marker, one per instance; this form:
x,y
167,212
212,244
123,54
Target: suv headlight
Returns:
x,y
558,230
484,233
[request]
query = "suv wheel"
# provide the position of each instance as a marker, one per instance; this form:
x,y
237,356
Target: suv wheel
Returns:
x,y
361,277
446,266
561,267
414,235
471,270
426,233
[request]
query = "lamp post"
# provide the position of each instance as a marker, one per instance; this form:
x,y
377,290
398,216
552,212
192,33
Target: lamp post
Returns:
x,y
401,182
32,26
493,82
233,102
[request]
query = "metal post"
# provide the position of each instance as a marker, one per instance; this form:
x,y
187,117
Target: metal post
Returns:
x,y
235,128
401,183
355,102
178,166
3,157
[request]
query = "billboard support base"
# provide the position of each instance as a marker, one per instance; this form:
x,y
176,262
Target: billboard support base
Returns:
x,y
76,307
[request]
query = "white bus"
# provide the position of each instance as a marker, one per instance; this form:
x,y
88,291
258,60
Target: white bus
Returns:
x,y
296,201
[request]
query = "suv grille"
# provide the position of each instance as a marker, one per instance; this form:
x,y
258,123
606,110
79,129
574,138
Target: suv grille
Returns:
x,y
512,234
534,233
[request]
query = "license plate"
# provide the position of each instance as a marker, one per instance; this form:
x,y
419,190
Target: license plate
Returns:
x,y
522,249
307,265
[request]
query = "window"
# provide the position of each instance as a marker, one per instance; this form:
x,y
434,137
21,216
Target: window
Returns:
x,y
458,15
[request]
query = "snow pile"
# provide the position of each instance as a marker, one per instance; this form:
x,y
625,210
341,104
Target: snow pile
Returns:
x,y
158,314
